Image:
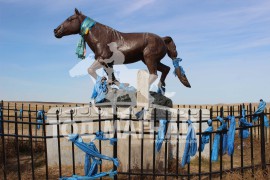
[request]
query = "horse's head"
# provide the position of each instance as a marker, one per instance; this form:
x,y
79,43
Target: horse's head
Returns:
x,y
70,26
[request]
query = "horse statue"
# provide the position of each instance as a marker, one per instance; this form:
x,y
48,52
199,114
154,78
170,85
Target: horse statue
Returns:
x,y
147,47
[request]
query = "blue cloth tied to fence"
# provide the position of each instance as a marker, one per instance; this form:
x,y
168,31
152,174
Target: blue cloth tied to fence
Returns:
x,y
231,135
161,134
77,140
100,90
92,155
140,114
206,136
216,143
21,114
260,110
100,136
176,65
243,123
191,144
40,117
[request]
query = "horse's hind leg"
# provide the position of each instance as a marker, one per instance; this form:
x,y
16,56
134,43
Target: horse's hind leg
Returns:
x,y
152,68
164,72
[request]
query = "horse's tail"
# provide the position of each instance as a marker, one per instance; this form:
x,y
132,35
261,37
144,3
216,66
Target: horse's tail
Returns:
x,y
172,53
171,48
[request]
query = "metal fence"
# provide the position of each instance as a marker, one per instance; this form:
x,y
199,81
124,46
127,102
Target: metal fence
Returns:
x,y
24,147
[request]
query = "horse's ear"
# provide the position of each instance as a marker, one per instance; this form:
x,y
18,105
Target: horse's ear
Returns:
x,y
76,11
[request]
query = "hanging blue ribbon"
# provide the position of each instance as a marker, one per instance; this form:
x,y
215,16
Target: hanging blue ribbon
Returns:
x,y
176,65
40,117
161,90
92,153
161,134
86,26
243,123
216,143
100,90
140,114
100,136
21,114
191,144
77,140
206,136
231,134
260,110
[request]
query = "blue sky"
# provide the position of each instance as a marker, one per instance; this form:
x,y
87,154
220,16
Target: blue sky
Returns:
x,y
224,44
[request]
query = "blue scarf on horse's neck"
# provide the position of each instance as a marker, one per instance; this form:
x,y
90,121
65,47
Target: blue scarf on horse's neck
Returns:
x,y
86,26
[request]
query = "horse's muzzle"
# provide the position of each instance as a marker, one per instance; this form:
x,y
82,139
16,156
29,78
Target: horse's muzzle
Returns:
x,y
58,32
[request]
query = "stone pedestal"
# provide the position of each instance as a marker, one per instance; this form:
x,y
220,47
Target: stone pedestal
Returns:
x,y
86,123
143,88
88,115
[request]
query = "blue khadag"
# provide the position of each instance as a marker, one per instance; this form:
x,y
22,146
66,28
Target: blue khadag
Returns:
x,y
86,26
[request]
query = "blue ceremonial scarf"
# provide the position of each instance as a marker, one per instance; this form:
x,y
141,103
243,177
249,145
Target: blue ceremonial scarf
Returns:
x,y
176,65
100,136
260,110
161,134
100,90
206,136
86,26
216,142
191,144
92,155
231,134
244,133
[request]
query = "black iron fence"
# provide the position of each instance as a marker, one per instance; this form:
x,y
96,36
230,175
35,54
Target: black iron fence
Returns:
x,y
24,152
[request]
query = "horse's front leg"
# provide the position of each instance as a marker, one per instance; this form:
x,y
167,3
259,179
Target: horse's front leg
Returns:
x,y
93,68
110,72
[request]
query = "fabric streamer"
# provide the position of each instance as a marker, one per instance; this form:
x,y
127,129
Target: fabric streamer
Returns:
x,y
206,136
231,134
92,155
140,114
243,123
86,26
40,117
100,90
176,65
127,88
161,90
260,110
161,134
85,148
21,114
216,143
100,136
191,144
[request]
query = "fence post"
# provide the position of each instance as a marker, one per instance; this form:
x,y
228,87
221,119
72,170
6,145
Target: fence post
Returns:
x,y
115,136
3,139
263,162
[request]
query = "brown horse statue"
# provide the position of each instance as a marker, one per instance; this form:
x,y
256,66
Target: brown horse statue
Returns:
x,y
147,47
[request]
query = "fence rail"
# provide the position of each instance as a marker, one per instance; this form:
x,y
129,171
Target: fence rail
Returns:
x,y
24,146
